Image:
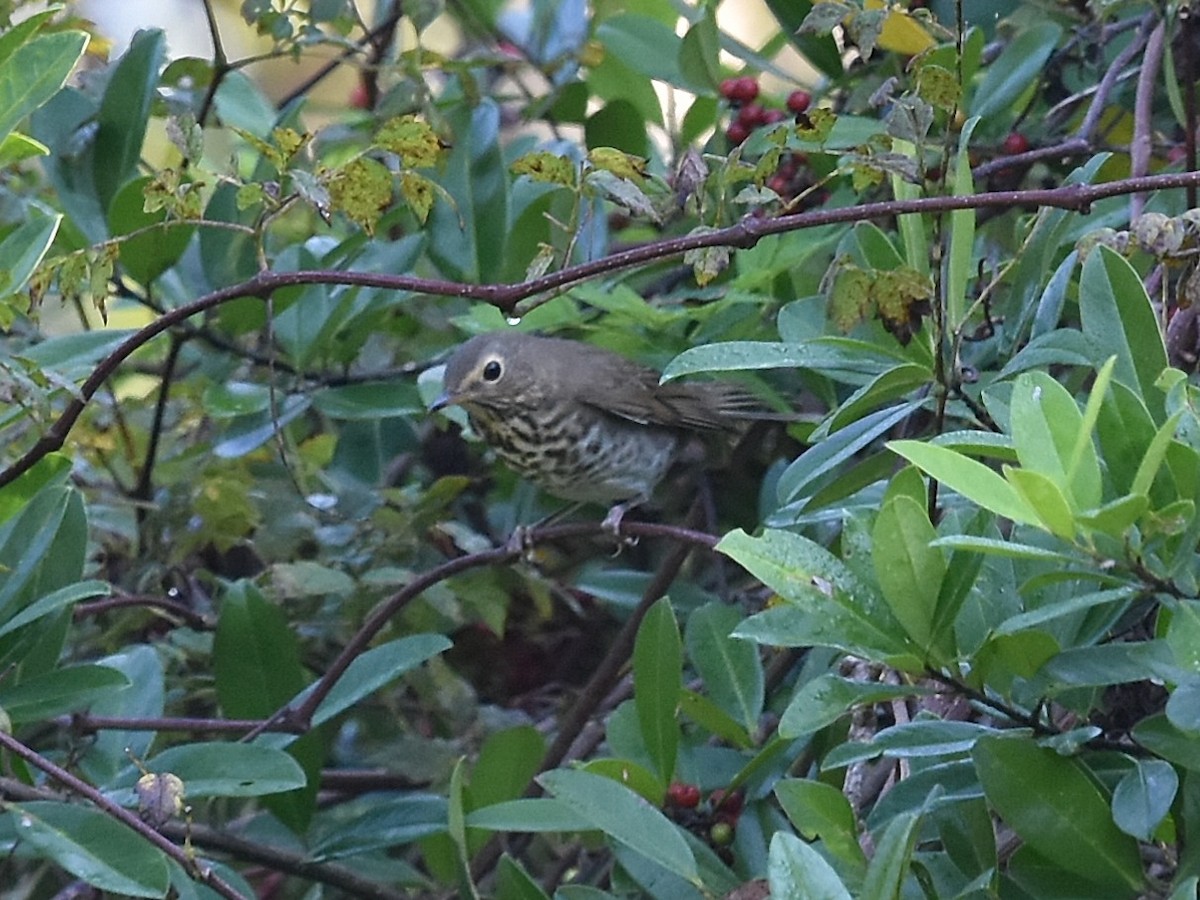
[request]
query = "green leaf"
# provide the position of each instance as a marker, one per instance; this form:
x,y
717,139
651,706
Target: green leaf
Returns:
x,y
828,697
1069,606
93,847
33,73
794,869
124,112
893,854
468,239
1154,455
837,449
1143,798
1041,494
389,822
827,605
372,670
54,601
973,480
513,882
50,469
256,664
819,810
821,50
507,762
1158,735
893,384
23,249
698,54
913,739
223,769
625,817
1119,320
59,691
657,681
540,814
1057,809
1050,437
645,45
701,710
731,668
962,231
823,354
909,570
1020,64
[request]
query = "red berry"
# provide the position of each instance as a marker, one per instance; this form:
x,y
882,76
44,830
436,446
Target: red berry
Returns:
x,y
358,96
1015,143
1176,155
779,184
737,133
799,101
685,796
730,802
771,116
729,88
745,89
752,115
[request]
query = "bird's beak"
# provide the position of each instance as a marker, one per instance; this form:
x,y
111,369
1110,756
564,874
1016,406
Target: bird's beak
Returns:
x,y
446,399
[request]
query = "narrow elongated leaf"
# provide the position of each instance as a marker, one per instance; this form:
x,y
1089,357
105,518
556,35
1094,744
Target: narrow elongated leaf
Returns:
x,y
972,479
731,668
93,847
34,72
624,816
58,691
531,815
1045,498
1048,431
893,853
827,606
908,568
124,112
1019,66
827,698
375,668
837,449
657,681
1119,320
1057,809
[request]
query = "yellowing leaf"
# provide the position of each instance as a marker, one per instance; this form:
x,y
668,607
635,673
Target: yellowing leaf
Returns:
x,y
901,32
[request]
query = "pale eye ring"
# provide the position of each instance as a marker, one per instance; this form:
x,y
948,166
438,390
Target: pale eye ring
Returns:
x,y
492,371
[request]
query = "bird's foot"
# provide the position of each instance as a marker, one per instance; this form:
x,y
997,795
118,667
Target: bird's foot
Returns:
x,y
612,524
520,542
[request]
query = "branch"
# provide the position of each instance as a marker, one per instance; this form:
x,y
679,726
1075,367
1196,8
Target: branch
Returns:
x,y
192,867
745,234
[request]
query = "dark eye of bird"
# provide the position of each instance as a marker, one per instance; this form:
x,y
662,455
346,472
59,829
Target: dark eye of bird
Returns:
x,y
491,372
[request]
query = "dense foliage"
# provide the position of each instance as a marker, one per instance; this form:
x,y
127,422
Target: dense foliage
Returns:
x,y
270,628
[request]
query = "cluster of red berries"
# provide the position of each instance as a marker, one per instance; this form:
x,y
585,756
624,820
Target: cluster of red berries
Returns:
x,y
716,819
747,114
742,93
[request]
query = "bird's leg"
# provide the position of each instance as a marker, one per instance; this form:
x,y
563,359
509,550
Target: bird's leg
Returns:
x,y
612,521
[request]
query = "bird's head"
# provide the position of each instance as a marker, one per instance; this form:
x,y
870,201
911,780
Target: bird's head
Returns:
x,y
495,371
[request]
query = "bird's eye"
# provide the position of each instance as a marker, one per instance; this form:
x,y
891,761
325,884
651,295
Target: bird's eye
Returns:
x,y
491,372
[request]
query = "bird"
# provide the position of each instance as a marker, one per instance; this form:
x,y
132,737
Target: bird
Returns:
x,y
582,422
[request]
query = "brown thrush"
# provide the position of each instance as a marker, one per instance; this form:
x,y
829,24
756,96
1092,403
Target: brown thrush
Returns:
x,y
582,422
